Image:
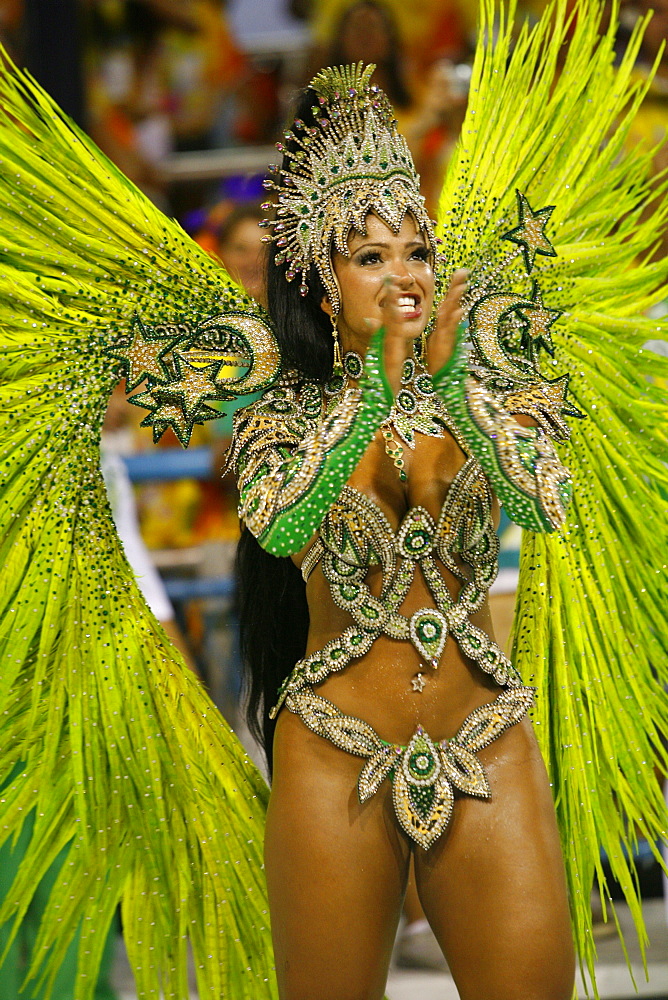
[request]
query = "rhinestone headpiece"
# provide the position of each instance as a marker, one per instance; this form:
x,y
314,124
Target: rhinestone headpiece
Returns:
x,y
350,162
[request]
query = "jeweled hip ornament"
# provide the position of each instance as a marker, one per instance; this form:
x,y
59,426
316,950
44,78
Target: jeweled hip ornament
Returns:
x,y
426,774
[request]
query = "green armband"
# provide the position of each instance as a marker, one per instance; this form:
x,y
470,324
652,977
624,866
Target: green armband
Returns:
x,y
285,492
520,462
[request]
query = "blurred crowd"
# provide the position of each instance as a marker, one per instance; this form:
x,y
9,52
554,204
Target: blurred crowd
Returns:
x,y
185,81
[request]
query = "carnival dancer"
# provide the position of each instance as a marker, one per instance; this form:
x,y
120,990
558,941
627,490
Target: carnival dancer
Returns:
x,y
370,472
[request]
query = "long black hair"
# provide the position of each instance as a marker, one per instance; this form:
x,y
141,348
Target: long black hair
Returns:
x,y
273,613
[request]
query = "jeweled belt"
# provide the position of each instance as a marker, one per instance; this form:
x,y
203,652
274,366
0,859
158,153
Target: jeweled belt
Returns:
x,y
425,774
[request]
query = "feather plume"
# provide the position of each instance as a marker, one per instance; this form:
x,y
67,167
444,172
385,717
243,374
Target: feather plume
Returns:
x,y
549,113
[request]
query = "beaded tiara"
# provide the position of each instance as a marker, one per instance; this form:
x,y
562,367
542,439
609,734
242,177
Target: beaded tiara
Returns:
x,y
350,162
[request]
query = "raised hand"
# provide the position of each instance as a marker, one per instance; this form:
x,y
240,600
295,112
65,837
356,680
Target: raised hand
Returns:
x,y
448,316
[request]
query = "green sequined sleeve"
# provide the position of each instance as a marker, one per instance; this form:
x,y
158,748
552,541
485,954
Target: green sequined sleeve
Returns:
x,y
292,459
520,462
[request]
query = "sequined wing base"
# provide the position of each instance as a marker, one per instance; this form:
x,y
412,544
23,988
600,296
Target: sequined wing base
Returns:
x,y
548,115
123,759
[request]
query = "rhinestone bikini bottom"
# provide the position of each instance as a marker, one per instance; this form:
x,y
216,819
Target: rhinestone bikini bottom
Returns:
x,y
424,774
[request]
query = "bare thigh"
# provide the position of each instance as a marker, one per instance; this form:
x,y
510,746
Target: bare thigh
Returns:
x,y
336,872
493,888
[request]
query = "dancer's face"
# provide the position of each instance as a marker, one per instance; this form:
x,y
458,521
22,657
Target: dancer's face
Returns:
x,y
374,257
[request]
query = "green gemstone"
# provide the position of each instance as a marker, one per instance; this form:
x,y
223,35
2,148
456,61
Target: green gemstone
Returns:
x,y
421,800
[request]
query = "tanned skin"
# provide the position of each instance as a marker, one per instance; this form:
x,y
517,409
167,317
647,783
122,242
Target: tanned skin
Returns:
x,y
493,885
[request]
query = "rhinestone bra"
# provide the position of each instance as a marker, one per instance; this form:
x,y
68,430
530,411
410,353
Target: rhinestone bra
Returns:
x,y
355,534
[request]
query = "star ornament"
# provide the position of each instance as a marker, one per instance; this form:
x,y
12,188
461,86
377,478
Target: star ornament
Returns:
x,y
142,357
556,391
538,333
167,410
530,234
168,413
546,400
193,385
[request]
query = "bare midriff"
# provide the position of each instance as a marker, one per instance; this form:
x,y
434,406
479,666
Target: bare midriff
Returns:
x,y
378,686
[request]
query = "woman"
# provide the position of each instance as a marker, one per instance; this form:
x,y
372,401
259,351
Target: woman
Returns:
x,y
127,767
367,30
335,865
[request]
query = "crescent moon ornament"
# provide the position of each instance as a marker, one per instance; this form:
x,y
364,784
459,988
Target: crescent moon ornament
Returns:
x,y
484,319
258,353
184,366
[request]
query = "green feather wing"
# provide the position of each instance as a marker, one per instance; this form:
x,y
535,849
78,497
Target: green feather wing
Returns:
x,y
548,115
123,759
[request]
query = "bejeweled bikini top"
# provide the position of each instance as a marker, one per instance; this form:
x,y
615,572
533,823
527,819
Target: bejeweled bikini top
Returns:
x,y
355,534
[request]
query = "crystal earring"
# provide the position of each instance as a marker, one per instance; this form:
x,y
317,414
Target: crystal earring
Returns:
x,y
337,368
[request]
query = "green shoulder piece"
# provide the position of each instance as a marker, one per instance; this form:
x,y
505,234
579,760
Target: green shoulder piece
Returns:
x,y
292,457
521,462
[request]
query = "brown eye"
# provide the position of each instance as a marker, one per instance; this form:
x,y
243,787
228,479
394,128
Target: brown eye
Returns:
x,y
369,257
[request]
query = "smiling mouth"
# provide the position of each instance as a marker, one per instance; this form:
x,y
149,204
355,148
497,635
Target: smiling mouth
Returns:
x,y
408,304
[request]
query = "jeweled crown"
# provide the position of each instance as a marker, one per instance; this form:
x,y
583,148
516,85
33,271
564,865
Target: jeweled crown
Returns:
x,y
351,162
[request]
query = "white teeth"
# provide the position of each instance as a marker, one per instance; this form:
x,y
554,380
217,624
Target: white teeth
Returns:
x,y
407,303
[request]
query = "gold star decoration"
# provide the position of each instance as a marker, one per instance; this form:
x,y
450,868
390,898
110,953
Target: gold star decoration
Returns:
x,y
556,390
530,234
193,385
546,401
166,410
418,682
170,414
540,320
142,357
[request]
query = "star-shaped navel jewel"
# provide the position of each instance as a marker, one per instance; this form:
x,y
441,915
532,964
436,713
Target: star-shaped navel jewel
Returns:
x,y
530,234
418,682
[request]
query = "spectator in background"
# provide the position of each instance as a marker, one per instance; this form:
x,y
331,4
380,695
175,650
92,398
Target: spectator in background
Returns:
x,y
430,109
232,232
241,250
427,29
367,31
